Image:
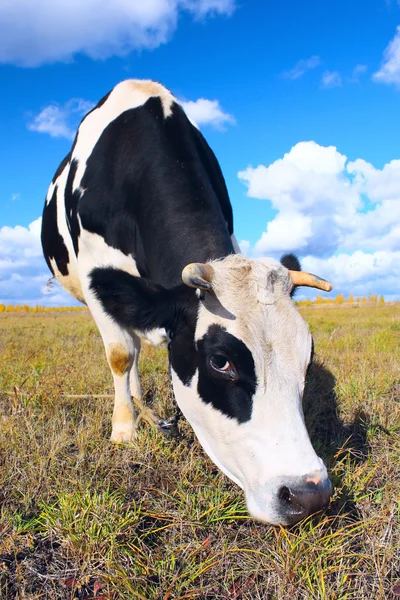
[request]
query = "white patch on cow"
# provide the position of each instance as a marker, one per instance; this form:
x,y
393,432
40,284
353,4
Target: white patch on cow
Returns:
x,y
70,282
200,417
94,252
50,192
155,337
134,380
124,414
125,96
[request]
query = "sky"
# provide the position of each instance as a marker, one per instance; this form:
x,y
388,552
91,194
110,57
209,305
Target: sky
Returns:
x,y
299,101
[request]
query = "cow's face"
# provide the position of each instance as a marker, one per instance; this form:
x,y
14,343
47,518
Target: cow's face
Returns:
x,y
239,353
238,371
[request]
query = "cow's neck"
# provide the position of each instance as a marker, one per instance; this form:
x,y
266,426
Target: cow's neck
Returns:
x,y
197,236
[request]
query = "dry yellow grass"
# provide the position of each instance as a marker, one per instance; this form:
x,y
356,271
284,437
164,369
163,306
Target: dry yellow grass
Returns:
x,y
81,518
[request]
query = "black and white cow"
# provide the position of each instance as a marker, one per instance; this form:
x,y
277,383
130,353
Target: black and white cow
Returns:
x,y
139,205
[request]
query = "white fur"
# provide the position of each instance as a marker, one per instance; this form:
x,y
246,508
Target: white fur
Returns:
x,y
50,192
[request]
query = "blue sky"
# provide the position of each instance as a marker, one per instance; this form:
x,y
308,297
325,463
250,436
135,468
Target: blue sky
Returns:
x,y
302,105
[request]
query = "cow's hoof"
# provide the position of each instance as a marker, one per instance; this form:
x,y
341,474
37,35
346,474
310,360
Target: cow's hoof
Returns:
x,y
168,427
123,433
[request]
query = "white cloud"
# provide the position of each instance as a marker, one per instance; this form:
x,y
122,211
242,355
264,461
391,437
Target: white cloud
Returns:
x,y
15,196
61,120
357,72
43,31
360,272
23,271
331,79
207,112
302,66
390,67
340,216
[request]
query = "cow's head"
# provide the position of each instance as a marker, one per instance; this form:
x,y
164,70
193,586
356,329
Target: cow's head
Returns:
x,y
239,352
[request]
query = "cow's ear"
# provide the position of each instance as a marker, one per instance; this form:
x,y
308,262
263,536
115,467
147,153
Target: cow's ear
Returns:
x,y
132,302
291,262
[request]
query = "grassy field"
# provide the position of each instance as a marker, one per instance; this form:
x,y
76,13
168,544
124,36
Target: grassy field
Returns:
x,y
81,518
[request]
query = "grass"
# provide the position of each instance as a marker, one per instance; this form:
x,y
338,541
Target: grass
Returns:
x,y
81,518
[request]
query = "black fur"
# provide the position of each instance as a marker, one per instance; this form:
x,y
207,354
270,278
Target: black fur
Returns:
x,y
133,302
71,205
52,242
290,261
232,394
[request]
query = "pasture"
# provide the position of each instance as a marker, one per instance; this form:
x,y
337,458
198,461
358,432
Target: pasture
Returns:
x,y
82,518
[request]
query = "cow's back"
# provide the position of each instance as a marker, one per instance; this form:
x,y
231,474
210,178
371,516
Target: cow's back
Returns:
x,y
140,190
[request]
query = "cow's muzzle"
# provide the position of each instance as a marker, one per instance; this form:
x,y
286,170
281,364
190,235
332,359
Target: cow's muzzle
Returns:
x,y
301,497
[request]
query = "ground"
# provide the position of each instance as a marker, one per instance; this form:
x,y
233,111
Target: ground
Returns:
x,y
82,518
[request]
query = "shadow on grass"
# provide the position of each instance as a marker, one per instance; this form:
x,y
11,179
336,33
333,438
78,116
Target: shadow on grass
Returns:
x,y
333,439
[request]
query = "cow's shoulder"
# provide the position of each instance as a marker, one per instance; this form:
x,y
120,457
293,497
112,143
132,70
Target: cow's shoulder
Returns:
x,y
216,177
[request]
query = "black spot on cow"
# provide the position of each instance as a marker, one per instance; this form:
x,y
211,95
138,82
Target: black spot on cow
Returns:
x,y
231,392
52,242
182,352
71,205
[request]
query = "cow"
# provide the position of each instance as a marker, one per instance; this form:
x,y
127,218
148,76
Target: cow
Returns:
x,y
138,225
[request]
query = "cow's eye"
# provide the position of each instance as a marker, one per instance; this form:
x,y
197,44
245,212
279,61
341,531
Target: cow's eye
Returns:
x,y
220,363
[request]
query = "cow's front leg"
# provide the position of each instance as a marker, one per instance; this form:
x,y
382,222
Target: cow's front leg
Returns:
x,y
121,346
136,389
144,412
120,358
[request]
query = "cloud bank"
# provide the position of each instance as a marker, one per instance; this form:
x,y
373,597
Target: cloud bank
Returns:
x,y
45,31
342,217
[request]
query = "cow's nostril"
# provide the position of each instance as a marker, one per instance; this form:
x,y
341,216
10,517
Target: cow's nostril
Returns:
x,y
284,495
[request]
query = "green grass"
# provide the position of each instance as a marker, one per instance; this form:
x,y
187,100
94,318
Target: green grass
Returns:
x,y
81,518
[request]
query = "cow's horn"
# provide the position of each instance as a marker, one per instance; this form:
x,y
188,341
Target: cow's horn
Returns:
x,y
310,280
198,275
